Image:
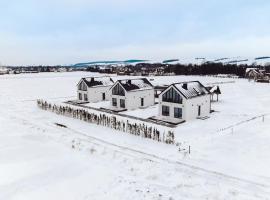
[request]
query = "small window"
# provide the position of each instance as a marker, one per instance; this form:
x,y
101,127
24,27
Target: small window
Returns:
x,y
177,112
85,97
165,110
80,96
122,103
114,101
142,101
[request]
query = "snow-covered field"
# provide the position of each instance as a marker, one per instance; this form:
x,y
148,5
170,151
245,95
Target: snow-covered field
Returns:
x,y
39,160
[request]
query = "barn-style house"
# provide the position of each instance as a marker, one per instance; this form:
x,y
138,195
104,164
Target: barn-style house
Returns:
x,y
131,94
184,101
94,89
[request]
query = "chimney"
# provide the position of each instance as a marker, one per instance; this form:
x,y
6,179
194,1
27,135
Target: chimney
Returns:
x,y
92,79
184,86
129,81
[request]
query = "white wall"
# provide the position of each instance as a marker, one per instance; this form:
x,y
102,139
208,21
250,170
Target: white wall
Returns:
x,y
94,94
133,99
192,105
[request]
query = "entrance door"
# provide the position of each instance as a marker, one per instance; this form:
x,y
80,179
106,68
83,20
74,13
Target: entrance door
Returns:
x,y
142,101
199,111
103,96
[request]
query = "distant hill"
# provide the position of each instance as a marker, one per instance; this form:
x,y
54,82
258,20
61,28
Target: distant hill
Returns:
x,y
85,64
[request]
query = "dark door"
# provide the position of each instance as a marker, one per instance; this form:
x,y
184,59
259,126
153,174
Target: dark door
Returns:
x,y
199,110
103,96
142,101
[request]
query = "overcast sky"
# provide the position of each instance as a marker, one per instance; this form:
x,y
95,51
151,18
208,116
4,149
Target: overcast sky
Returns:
x,y
71,31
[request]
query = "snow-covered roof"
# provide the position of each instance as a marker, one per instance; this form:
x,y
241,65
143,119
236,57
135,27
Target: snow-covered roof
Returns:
x,y
191,89
251,69
135,84
98,81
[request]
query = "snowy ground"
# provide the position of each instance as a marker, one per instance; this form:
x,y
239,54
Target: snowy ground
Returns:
x,y
39,160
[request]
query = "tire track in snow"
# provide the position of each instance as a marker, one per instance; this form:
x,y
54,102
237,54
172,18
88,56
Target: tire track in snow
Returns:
x,y
150,157
153,156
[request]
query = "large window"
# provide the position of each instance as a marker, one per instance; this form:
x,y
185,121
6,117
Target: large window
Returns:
x,y
118,90
177,112
85,97
122,103
114,101
171,96
83,86
80,96
165,110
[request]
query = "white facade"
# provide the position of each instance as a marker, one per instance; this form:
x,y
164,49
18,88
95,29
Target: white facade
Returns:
x,y
88,91
187,106
131,99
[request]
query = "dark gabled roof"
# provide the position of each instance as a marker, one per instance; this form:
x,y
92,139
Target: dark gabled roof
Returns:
x,y
97,81
193,89
135,84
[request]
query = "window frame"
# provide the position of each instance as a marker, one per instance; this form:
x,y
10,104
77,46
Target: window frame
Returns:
x,y
85,97
82,86
165,110
172,96
118,90
122,103
179,113
114,102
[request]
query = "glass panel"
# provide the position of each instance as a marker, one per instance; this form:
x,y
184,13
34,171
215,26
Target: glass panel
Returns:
x,y
122,103
85,97
82,86
172,96
118,90
178,112
114,102
165,110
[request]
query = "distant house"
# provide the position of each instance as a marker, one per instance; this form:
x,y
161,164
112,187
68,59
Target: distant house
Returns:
x,y
254,73
214,90
132,94
3,70
258,75
94,89
184,101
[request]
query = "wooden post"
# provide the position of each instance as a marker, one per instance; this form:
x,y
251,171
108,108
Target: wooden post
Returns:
x,y
189,149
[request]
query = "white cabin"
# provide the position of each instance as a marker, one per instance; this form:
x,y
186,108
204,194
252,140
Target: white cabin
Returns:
x,y
132,94
184,101
94,89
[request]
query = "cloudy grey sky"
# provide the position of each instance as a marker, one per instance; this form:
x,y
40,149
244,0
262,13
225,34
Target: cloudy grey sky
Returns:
x,y
71,31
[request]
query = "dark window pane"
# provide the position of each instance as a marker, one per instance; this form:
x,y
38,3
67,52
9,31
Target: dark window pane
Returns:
x,y
178,112
122,103
118,90
114,102
165,110
172,96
